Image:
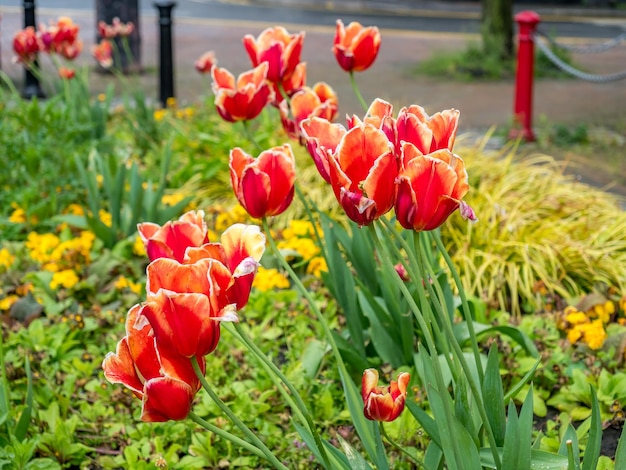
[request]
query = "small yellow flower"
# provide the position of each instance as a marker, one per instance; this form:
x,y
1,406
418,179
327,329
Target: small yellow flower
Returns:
x,y
41,246
124,283
594,334
159,114
8,301
6,259
99,180
172,199
74,209
267,279
576,318
139,248
102,97
171,102
18,216
316,266
66,278
105,217
299,228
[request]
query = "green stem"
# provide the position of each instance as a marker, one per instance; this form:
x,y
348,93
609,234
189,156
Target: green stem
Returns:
x,y
343,371
399,447
357,92
225,435
294,400
470,378
267,454
249,135
464,305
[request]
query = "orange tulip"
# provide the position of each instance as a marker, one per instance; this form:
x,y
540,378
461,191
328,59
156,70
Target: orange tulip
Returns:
x,y
380,115
362,173
163,380
240,250
427,133
243,99
66,74
321,138
290,85
205,62
264,186
25,45
103,53
278,48
430,188
61,38
173,238
356,47
317,101
383,403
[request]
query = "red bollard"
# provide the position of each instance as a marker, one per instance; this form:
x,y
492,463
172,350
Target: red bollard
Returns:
x,y
523,109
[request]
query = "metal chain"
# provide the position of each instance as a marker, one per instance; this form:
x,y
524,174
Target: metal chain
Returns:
x,y
571,70
593,48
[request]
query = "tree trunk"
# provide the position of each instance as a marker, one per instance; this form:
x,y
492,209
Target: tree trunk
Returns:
x,y
497,27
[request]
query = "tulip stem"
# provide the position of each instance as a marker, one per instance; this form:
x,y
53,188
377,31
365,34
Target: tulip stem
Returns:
x,y
357,92
343,371
249,135
267,454
383,432
294,400
225,435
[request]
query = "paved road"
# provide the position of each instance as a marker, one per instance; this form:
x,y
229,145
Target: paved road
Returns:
x,y
454,20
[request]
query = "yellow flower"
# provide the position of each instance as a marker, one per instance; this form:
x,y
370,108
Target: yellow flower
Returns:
x,y
18,216
105,217
66,278
123,283
41,246
139,248
594,334
99,180
316,266
171,102
305,247
74,209
574,334
159,114
576,317
6,259
52,267
102,97
8,301
267,279
172,199
299,228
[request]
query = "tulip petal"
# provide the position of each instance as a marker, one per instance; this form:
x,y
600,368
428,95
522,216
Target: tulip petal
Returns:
x,y
169,274
119,368
166,398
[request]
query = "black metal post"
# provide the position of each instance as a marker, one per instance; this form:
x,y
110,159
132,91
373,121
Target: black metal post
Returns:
x,y
166,62
32,88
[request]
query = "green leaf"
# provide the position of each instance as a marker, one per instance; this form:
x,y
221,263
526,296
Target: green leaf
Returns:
x,y
518,387
336,458
569,447
526,429
384,335
539,460
426,421
461,332
312,357
592,450
433,458
356,460
493,396
24,422
511,449
620,453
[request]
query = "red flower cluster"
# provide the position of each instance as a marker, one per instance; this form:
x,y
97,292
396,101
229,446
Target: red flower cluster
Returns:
x,y
115,29
278,73
59,38
379,162
192,285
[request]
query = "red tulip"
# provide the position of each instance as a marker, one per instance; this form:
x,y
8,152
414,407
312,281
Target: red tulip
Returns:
x,y
240,251
61,38
264,186
106,31
123,29
172,239
318,101
430,187
25,45
243,99
290,85
380,115
278,48
103,53
362,173
66,74
356,47
427,133
205,62
383,403
321,138
163,380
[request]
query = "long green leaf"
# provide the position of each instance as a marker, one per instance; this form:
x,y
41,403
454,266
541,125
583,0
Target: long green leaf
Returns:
x,y
493,396
569,445
24,422
526,430
510,451
592,449
529,375
620,453
461,332
426,421
539,460
336,458
356,460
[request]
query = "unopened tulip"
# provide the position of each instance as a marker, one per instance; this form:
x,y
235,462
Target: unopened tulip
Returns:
x,y
164,381
66,74
362,173
244,98
383,403
430,188
264,186
356,47
205,62
103,53
278,48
